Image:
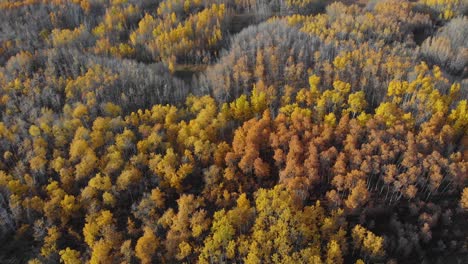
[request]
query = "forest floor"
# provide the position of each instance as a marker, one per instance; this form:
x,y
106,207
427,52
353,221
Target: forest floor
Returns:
x,y
186,72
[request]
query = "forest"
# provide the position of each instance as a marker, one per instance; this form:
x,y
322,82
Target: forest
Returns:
x,y
233,131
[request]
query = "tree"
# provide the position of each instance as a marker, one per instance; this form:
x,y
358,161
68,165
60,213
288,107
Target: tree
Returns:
x,y
129,176
50,242
146,246
222,235
359,195
366,241
334,254
464,199
101,252
70,256
186,226
357,102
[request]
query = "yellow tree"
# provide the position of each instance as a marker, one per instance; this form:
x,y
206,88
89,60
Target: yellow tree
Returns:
x,y
70,256
367,242
464,199
334,254
146,246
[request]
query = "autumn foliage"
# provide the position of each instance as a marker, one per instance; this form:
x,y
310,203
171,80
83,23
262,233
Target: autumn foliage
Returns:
x,y
187,131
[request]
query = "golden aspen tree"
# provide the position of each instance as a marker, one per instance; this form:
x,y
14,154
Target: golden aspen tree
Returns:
x,y
70,256
146,246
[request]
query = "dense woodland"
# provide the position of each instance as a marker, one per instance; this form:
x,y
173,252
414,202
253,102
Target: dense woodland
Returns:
x,y
233,131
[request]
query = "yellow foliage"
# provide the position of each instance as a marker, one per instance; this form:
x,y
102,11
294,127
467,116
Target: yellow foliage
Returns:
x,y
459,117
70,256
146,246
50,241
34,131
